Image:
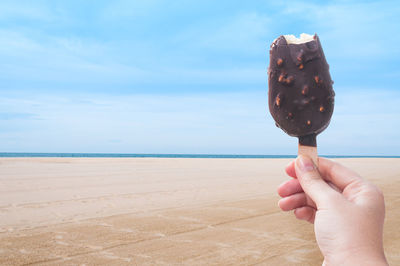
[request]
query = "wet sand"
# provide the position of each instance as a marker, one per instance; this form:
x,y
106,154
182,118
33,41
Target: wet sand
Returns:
x,y
148,211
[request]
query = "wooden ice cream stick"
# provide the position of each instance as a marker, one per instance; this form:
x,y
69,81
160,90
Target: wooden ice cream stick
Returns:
x,y
310,151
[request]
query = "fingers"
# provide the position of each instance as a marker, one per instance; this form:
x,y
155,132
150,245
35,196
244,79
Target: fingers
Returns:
x,y
295,201
337,174
289,187
305,213
290,169
312,183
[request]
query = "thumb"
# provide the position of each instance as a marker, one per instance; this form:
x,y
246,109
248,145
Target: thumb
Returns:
x,y
312,183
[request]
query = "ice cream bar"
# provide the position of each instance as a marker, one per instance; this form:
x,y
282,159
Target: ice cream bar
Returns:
x,y
300,96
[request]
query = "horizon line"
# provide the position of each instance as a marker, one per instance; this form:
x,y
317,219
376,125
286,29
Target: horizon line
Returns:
x,y
171,155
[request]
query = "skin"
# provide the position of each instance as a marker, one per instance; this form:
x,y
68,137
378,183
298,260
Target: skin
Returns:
x,y
347,211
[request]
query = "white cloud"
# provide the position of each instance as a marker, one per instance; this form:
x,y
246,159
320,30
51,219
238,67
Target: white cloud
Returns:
x,y
44,57
243,33
129,9
142,123
365,121
51,58
32,10
352,29
192,123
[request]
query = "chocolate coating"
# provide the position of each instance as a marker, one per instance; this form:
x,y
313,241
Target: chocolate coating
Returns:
x,y
300,95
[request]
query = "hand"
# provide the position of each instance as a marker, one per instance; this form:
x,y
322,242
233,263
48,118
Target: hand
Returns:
x,y
347,211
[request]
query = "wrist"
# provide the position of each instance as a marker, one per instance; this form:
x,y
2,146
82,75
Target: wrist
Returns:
x,y
361,261
358,258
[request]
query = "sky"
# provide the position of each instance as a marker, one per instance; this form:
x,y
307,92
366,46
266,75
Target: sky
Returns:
x,y
188,76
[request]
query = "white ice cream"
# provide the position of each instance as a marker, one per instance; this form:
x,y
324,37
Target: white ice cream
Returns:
x,y
304,37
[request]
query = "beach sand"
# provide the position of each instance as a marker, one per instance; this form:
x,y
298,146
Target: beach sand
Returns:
x,y
156,211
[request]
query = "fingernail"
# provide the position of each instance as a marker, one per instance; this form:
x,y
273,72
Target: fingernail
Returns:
x,y
305,163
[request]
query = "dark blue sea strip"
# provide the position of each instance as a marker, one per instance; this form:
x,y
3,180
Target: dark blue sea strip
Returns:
x,y
144,155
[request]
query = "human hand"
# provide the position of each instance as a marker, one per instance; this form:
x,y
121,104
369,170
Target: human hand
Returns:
x,y
347,211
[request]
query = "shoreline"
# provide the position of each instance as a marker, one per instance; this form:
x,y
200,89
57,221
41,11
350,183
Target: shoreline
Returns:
x,y
171,155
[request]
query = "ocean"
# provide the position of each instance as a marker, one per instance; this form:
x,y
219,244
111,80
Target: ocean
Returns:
x,y
150,155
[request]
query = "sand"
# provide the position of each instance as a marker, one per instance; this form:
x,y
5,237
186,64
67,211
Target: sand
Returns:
x,y
148,211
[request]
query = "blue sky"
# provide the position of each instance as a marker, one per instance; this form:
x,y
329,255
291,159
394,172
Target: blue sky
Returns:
x,y
188,76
